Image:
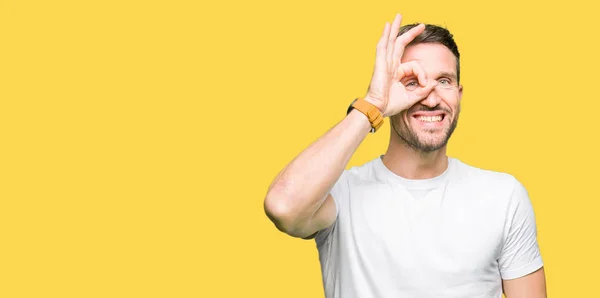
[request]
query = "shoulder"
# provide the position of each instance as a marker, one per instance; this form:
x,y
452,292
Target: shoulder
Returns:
x,y
364,174
484,180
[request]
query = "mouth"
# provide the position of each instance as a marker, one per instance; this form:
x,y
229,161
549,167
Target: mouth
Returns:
x,y
430,119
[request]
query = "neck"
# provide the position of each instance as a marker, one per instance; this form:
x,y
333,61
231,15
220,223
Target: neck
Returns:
x,y
409,163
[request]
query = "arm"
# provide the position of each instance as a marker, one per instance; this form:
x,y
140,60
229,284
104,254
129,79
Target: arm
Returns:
x,y
520,261
529,286
295,198
298,201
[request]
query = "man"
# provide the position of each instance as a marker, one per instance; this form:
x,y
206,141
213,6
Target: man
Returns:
x,y
413,222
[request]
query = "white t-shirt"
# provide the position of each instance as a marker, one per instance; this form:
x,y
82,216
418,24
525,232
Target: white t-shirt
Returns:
x,y
455,235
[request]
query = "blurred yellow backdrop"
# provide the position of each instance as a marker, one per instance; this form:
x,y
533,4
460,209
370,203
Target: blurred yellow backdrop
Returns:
x,y
139,137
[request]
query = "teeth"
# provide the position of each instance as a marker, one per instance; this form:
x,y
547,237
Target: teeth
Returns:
x,y
430,118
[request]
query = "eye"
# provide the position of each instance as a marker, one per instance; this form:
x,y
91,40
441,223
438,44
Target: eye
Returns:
x,y
411,85
444,82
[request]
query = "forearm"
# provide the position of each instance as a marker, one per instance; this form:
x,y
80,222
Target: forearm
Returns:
x,y
302,186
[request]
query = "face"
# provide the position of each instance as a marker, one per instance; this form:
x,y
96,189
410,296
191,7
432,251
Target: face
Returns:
x,y
428,124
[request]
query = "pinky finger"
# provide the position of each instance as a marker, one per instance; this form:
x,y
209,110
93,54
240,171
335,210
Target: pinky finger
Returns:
x,y
383,42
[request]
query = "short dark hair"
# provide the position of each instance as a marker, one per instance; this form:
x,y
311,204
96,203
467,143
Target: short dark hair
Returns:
x,y
436,34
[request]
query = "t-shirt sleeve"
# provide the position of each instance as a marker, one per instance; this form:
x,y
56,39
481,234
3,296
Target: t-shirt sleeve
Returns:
x,y
520,253
339,192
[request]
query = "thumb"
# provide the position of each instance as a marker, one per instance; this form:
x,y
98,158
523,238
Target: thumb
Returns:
x,y
422,92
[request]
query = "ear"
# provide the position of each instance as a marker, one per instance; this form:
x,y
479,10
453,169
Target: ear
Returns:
x,y
460,92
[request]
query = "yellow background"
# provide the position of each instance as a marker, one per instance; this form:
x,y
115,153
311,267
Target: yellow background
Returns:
x,y
138,138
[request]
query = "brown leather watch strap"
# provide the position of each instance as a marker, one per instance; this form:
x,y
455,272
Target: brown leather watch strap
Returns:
x,y
371,111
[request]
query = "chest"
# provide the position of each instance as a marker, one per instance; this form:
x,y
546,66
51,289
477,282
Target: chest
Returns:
x,y
446,235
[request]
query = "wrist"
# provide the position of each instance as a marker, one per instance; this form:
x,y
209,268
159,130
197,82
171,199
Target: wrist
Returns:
x,y
372,112
360,120
376,103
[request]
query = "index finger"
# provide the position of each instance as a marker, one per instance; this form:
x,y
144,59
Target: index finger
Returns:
x,y
413,68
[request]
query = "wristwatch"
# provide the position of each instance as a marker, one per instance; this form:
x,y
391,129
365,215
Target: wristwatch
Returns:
x,y
371,111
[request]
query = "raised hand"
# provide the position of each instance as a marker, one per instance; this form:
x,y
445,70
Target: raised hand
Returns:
x,y
386,91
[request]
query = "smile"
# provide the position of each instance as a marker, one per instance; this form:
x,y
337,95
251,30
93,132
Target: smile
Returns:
x,y
437,118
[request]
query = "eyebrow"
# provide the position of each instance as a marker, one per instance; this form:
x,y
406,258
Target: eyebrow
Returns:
x,y
447,74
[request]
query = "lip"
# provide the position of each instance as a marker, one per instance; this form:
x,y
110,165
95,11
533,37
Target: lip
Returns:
x,y
429,114
415,116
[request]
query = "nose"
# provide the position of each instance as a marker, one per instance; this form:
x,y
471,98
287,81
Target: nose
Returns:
x,y
431,97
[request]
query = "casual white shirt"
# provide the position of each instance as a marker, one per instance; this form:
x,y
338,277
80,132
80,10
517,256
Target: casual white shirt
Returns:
x,y
455,235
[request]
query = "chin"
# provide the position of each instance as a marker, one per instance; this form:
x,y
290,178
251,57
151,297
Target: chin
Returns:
x,y
425,137
430,146
428,140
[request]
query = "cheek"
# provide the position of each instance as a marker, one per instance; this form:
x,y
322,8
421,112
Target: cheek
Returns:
x,y
452,102
399,118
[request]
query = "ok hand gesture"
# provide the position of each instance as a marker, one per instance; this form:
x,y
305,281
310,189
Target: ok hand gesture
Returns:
x,y
386,91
